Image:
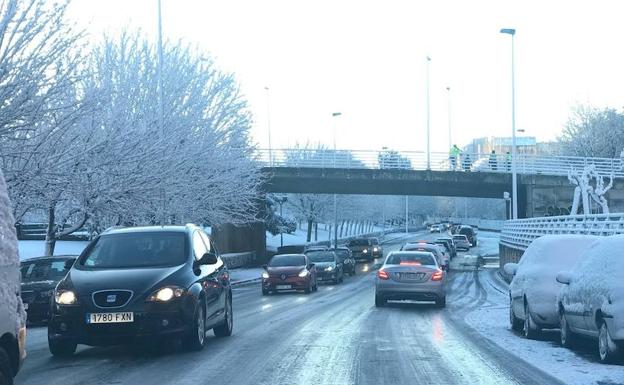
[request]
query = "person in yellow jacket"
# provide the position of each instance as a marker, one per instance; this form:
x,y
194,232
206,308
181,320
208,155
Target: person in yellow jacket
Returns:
x,y
453,156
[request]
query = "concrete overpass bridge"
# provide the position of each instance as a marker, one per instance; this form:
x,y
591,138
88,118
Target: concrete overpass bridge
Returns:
x,y
543,186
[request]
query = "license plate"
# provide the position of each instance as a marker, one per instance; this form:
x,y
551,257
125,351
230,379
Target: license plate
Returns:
x,y
109,318
411,275
282,287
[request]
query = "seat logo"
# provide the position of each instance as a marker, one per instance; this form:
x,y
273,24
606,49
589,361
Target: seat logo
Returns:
x,y
111,298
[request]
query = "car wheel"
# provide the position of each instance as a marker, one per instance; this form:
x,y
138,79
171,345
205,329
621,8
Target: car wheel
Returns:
x,y
606,347
380,301
315,287
515,322
61,348
530,330
6,375
225,329
196,337
441,302
308,288
567,338
265,291
341,278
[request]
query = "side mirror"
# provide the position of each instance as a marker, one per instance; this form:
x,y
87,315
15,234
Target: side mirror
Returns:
x,y
208,259
69,263
510,268
564,278
265,267
311,265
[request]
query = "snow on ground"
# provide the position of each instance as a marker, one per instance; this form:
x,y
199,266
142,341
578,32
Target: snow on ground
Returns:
x,y
31,249
245,274
573,367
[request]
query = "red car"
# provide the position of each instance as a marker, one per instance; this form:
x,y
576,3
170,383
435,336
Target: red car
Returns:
x,y
289,272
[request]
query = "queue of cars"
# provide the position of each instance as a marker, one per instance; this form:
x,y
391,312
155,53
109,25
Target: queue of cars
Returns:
x,y
573,283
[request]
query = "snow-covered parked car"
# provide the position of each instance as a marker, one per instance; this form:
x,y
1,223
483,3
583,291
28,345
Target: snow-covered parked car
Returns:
x,y
12,315
591,300
533,290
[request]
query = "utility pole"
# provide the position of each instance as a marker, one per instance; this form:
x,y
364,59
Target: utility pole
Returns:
x,y
428,120
161,108
268,106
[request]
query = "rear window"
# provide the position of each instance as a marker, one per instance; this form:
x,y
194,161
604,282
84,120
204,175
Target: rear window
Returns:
x,y
287,260
49,270
466,230
321,256
424,259
135,250
359,242
460,237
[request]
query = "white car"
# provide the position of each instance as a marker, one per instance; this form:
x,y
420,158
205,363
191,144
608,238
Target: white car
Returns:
x,y
591,301
533,290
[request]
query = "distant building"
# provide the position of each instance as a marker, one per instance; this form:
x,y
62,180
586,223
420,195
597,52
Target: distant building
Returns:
x,y
524,145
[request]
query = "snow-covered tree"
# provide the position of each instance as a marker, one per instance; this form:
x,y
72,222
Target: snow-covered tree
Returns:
x,y
594,132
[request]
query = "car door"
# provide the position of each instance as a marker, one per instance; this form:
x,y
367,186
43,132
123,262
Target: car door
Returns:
x,y
207,277
221,273
575,308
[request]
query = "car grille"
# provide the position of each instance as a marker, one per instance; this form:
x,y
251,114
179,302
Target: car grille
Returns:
x,y
111,298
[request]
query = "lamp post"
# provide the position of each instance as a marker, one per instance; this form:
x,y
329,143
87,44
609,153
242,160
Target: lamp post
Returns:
x,y
335,115
268,107
281,201
161,109
448,109
514,182
428,120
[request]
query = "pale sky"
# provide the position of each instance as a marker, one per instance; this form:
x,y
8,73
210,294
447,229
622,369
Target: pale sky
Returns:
x,y
366,59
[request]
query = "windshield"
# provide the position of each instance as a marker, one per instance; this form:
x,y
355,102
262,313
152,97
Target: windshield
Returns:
x,y
321,256
135,250
359,242
52,270
374,241
287,260
342,253
425,259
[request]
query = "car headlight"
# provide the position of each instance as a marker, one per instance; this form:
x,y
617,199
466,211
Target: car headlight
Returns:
x,y
329,268
365,251
375,250
265,274
166,294
66,297
304,273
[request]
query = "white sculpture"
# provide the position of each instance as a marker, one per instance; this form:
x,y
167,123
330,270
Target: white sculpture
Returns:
x,y
584,190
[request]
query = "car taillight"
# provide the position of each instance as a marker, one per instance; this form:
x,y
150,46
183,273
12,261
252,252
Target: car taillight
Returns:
x,y
382,274
437,276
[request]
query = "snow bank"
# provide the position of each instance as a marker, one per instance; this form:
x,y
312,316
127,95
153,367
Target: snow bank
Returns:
x,y
9,260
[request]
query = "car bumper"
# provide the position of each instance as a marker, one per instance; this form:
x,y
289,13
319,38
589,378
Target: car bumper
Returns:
x,y
273,284
427,291
69,323
327,276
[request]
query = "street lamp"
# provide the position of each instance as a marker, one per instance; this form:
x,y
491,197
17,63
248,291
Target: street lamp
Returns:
x,y
514,182
428,120
448,92
281,201
268,106
335,115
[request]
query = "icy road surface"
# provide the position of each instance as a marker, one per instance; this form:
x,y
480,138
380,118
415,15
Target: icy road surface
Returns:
x,y
334,336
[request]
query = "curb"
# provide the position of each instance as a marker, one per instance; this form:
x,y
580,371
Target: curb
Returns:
x,y
252,280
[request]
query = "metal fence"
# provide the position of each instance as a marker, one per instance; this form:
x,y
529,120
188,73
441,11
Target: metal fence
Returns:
x,y
417,160
521,232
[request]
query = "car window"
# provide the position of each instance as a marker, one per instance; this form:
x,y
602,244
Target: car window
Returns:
x,y
374,241
425,259
359,242
287,260
133,250
342,253
199,247
208,242
321,256
43,270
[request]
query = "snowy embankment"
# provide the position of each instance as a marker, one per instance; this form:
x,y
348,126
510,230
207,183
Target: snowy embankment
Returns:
x,y
300,235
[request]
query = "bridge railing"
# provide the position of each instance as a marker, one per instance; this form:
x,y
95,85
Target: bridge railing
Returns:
x,y
417,160
520,233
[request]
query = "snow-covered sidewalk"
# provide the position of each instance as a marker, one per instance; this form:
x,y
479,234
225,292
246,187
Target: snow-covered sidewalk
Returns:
x,y
573,367
245,275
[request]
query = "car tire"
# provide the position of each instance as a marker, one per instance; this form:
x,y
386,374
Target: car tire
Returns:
x,y
380,301
61,348
196,338
265,291
315,287
530,330
607,350
566,337
514,322
6,374
308,288
341,280
225,329
441,302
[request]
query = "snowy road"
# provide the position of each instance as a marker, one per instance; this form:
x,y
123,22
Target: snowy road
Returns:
x,y
334,336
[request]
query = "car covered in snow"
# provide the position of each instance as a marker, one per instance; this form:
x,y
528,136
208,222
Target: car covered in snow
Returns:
x,y
533,289
591,299
12,315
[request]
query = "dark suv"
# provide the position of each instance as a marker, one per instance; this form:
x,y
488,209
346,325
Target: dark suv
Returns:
x,y
470,233
361,249
141,283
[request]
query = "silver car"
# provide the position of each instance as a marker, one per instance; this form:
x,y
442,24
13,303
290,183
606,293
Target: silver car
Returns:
x,y
410,275
461,242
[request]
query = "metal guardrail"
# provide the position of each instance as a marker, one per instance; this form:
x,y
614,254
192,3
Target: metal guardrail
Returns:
x,y
417,160
520,233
